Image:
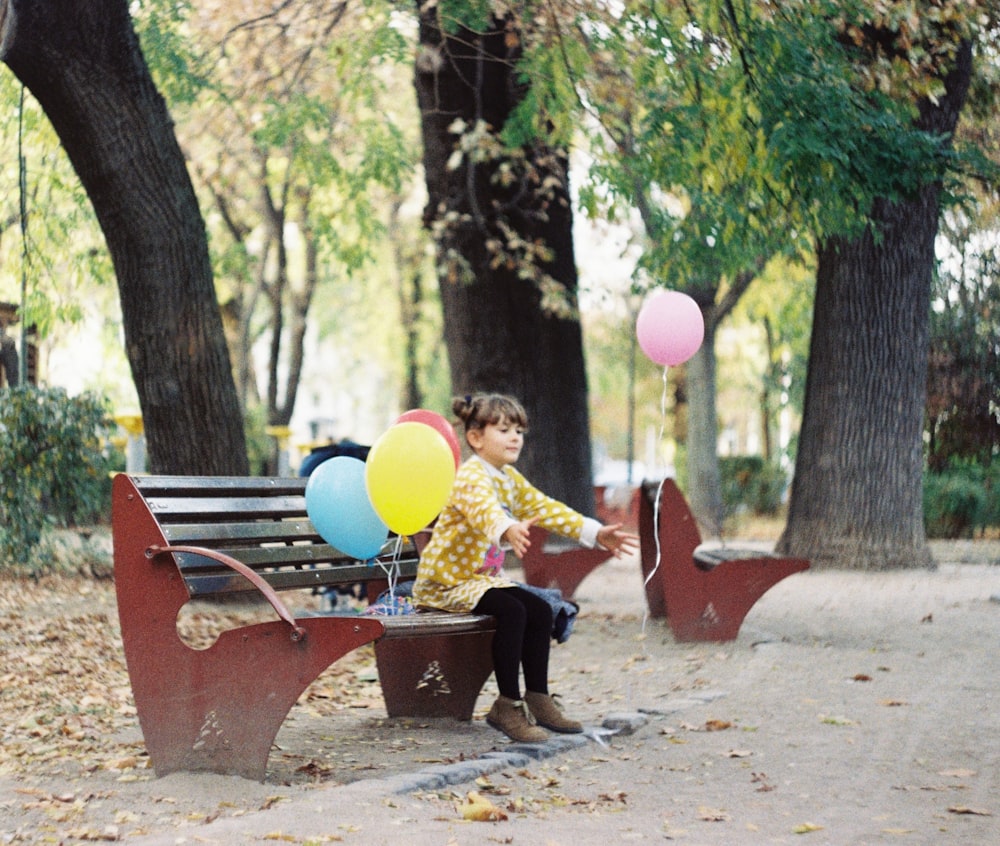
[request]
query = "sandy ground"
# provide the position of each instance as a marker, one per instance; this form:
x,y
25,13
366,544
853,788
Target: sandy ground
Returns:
x,y
852,709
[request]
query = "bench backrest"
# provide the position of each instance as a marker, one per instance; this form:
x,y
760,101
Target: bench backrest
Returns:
x,y
261,522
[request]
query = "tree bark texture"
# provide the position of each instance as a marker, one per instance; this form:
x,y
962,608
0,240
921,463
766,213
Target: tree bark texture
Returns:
x,y
498,335
704,483
856,499
83,63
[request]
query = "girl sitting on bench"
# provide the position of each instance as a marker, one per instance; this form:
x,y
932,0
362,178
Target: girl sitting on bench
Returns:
x,y
491,508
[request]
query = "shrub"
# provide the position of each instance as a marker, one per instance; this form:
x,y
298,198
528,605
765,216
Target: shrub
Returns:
x,y
960,500
53,471
751,483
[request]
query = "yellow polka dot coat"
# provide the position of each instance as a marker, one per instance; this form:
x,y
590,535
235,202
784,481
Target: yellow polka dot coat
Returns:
x,y
484,502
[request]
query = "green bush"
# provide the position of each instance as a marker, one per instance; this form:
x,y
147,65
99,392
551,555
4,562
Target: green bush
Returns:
x,y
750,483
991,481
53,471
961,500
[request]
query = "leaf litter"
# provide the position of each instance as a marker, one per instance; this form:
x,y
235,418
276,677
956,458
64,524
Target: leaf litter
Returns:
x,y
73,766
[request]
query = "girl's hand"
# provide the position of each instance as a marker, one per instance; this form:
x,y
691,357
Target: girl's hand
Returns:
x,y
517,536
614,539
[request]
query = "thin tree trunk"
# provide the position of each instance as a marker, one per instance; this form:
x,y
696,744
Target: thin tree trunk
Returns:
x,y
705,487
83,63
704,478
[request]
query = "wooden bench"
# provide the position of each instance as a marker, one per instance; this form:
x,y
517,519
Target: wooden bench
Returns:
x,y
219,709
703,593
552,561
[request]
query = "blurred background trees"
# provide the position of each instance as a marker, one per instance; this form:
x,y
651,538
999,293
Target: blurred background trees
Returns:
x,y
728,150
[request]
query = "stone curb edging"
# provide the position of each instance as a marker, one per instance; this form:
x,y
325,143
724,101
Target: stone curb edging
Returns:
x,y
439,776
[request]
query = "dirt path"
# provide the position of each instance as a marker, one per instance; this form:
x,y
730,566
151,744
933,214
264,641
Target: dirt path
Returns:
x,y
853,709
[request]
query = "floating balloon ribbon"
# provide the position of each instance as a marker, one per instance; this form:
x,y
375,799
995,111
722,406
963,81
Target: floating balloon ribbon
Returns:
x,y
670,329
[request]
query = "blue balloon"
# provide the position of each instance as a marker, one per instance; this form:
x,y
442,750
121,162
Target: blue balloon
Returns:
x,y
337,503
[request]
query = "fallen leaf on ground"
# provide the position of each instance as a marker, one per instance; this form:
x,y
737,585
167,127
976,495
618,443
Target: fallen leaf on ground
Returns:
x,y
806,828
477,808
836,721
958,773
712,814
965,809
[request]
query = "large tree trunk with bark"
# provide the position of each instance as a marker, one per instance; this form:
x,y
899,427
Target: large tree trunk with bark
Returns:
x,y
499,335
83,63
856,498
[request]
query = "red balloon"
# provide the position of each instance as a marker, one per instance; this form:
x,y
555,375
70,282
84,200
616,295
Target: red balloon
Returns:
x,y
439,424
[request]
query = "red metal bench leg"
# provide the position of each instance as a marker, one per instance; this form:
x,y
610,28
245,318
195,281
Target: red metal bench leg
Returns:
x,y
730,590
434,675
218,709
564,570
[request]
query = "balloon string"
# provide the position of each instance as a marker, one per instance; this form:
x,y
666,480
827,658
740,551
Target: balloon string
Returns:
x,y
656,501
391,567
663,407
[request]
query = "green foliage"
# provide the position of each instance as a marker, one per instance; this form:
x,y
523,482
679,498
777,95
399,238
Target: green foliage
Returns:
x,y
743,133
962,499
260,445
52,466
168,49
780,305
469,14
750,483
57,248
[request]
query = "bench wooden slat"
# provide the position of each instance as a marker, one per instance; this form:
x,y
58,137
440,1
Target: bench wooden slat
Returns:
x,y
710,557
229,508
260,531
435,623
220,580
231,485
266,557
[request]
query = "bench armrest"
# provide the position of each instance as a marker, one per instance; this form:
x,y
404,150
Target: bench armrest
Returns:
x,y
298,633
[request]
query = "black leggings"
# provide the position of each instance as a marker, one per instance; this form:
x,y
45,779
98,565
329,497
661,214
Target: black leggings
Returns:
x,y
524,627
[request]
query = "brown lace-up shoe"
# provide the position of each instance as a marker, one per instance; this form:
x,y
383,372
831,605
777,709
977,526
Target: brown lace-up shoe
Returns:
x,y
511,717
547,712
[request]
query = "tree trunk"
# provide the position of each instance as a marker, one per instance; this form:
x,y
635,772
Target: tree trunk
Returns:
x,y
499,336
857,494
705,486
702,429
83,63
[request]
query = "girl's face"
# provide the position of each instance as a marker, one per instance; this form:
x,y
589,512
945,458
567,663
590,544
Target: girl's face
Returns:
x,y
498,444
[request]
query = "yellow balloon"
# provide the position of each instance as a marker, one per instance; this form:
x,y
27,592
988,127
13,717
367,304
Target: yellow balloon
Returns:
x,y
409,474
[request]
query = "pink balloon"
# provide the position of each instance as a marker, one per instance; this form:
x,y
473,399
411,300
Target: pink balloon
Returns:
x,y
670,327
439,424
